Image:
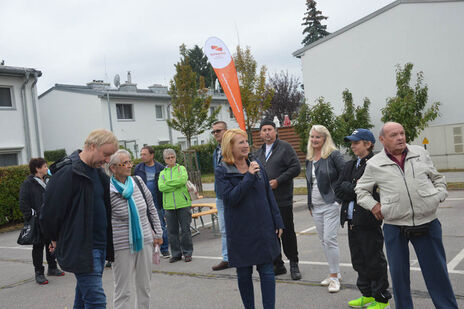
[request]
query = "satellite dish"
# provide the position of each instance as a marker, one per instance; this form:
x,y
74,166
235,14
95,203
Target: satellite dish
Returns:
x,y
117,80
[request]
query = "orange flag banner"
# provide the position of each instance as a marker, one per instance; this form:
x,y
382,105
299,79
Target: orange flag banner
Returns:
x,y
223,64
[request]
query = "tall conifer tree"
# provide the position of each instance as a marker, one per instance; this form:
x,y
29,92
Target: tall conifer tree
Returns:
x,y
313,30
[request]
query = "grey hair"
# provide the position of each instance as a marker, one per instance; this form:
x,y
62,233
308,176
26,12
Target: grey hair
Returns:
x,y
169,151
115,159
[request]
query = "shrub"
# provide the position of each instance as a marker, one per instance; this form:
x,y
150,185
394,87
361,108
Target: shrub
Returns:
x,y
205,157
54,155
11,179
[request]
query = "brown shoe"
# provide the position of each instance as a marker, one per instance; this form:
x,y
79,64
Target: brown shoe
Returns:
x,y
221,266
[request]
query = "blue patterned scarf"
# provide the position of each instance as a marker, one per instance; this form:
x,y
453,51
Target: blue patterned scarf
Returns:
x,y
135,228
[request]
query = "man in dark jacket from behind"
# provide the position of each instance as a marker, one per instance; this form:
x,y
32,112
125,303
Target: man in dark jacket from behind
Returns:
x,y
365,235
282,165
76,216
149,170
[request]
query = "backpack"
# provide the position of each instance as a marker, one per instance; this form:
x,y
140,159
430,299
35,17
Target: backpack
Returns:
x,y
57,165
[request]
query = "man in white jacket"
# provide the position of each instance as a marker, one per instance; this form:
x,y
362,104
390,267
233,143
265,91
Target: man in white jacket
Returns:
x,y
410,190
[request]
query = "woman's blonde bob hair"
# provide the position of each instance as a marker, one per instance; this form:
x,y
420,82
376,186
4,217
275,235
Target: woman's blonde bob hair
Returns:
x,y
328,145
228,143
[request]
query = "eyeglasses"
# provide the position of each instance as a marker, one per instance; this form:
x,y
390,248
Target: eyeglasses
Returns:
x,y
126,163
170,157
216,131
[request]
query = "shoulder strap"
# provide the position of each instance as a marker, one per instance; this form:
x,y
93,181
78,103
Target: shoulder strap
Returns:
x,y
146,202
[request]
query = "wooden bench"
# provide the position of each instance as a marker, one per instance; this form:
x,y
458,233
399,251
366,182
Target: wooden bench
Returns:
x,y
198,213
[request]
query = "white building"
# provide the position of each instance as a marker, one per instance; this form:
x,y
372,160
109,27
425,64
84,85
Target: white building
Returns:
x,y
136,116
362,56
19,116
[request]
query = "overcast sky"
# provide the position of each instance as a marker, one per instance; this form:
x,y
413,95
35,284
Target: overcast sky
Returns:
x,y
74,42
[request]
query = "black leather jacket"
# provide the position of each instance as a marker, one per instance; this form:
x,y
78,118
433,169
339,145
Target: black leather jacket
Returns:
x,y
327,172
344,189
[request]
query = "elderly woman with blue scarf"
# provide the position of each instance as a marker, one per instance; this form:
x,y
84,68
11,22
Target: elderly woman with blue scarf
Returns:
x,y
136,228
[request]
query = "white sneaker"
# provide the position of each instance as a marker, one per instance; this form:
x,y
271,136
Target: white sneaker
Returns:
x,y
326,281
334,285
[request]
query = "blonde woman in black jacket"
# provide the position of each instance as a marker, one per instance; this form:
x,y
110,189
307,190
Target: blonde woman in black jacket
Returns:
x,y
30,202
323,166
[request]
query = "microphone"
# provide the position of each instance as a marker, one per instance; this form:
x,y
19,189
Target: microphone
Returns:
x,y
251,157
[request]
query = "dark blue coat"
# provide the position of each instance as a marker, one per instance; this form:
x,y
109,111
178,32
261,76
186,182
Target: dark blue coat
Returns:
x,y
67,216
251,216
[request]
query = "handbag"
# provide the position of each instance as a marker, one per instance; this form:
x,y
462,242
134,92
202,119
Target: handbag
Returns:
x,y
30,233
192,189
415,231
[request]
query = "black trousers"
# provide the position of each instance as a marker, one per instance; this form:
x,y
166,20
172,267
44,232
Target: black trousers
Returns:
x,y
368,259
288,239
37,257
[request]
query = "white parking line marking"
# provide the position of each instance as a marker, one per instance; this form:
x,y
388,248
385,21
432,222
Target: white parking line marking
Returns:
x,y
455,199
307,230
20,248
460,272
454,262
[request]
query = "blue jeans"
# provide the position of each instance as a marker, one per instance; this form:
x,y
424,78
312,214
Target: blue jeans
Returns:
x,y
89,287
267,279
432,260
165,246
222,228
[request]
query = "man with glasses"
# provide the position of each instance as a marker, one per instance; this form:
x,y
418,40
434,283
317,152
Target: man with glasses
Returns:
x,y
149,170
219,128
76,216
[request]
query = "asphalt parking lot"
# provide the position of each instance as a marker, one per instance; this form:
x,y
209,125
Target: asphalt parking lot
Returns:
x,y
195,285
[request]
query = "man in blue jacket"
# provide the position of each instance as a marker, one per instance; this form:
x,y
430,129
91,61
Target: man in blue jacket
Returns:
x,y
219,128
76,216
149,171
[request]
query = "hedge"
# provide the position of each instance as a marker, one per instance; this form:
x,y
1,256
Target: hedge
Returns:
x,y
54,155
11,179
204,155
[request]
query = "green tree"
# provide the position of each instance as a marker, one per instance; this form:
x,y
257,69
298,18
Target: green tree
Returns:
x,y
190,102
407,107
320,113
256,96
313,29
352,117
287,98
200,65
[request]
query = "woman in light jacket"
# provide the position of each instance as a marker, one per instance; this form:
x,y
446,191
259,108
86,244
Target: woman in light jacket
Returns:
x,y
324,164
253,221
133,233
177,205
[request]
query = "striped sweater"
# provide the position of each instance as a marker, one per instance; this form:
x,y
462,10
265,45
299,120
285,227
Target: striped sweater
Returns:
x,y
120,216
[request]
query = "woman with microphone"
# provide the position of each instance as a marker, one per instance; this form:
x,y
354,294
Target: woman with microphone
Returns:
x,y
253,221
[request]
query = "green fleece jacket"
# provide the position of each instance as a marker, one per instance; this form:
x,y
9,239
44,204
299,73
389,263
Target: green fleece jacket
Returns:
x,y
172,182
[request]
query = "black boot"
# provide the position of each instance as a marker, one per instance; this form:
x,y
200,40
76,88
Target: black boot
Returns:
x,y
40,278
279,269
295,271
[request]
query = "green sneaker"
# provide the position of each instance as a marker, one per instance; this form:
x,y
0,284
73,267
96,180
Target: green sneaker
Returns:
x,y
361,302
377,305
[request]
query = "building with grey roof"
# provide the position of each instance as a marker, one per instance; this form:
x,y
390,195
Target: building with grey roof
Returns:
x,y
136,116
362,56
19,116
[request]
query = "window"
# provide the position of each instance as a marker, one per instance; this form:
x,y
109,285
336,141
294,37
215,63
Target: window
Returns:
x,y
231,113
124,111
5,97
211,110
458,140
159,112
8,159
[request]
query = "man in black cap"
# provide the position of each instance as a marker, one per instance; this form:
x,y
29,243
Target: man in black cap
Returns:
x,y
364,232
282,165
